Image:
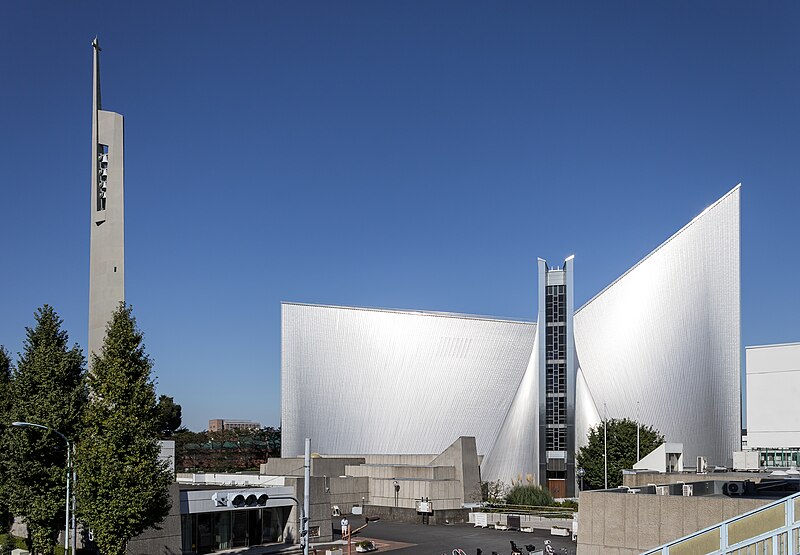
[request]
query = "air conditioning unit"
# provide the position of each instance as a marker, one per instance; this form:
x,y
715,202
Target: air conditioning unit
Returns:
x,y
702,465
662,490
688,490
733,488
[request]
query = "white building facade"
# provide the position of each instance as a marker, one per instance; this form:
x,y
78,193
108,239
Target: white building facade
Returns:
x,y
773,389
664,336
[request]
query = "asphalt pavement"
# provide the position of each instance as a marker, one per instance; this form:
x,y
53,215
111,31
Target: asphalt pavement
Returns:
x,y
418,539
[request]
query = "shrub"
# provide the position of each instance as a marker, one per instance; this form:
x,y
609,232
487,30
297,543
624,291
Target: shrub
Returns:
x,y
529,494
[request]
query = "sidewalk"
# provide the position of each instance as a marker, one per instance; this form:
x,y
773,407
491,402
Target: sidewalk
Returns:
x,y
284,549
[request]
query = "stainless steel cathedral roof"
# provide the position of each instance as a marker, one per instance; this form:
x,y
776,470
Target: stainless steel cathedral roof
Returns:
x,y
661,344
384,381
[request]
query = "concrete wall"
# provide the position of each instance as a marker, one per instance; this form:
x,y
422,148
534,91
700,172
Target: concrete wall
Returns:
x,y
402,514
445,494
324,492
167,540
347,492
627,524
417,460
462,455
392,472
320,466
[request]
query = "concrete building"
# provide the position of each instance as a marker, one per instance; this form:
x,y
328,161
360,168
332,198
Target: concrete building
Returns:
x,y
665,334
218,517
393,485
667,457
773,387
217,512
219,424
107,209
630,521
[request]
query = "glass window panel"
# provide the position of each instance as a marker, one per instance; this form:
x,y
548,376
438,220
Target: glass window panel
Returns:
x,y
238,528
222,539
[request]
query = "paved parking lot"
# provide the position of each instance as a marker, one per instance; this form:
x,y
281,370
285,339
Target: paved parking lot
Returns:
x,y
418,539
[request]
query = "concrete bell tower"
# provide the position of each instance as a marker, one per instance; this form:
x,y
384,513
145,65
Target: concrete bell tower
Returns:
x,y
107,208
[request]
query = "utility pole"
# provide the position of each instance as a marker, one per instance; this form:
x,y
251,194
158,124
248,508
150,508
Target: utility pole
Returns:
x,y
306,502
637,432
74,537
605,445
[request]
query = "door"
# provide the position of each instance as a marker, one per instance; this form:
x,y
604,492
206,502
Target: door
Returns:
x,y
558,488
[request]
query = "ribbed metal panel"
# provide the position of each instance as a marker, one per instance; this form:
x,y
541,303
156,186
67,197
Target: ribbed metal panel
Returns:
x,y
667,334
515,454
380,381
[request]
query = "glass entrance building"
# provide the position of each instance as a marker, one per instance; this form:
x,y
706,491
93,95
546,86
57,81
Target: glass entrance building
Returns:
x,y
220,519
219,531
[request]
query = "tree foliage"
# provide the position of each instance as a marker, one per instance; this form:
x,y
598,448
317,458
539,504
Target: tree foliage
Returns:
x,y
47,388
169,416
123,487
5,387
5,417
621,451
226,451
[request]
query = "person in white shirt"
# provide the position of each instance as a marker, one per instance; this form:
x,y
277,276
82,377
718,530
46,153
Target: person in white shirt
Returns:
x,y
345,527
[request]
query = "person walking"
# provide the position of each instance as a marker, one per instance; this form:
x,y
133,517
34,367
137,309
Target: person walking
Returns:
x,y
345,527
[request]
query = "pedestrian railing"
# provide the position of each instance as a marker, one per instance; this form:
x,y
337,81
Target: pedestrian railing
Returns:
x,y
773,529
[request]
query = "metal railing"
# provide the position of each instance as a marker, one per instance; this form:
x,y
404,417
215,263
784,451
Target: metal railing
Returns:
x,y
544,512
775,526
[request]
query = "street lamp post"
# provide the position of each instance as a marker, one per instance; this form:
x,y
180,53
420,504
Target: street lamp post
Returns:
x,y
69,470
605,446
581,474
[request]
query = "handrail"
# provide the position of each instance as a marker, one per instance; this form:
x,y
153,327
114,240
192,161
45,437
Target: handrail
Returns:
x,y
525,509
545,511
664,548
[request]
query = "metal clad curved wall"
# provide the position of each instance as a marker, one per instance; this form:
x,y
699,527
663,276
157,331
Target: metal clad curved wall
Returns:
x,y
515,454
667,334
384,382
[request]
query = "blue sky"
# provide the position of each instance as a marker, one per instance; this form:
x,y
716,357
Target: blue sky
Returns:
x,y
393,154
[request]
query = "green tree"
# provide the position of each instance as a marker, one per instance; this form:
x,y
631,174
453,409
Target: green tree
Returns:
x,y
123,487
226,450
47,388
621,451
5,386
5,417
169,416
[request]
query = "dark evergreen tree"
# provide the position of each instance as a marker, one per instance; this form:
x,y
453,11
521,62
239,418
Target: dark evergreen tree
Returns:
x,y
621,451
169,416
5,418
5,387
48,389
123,487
